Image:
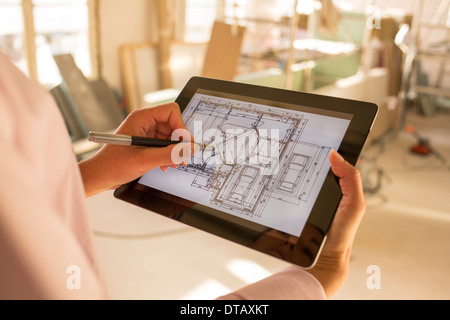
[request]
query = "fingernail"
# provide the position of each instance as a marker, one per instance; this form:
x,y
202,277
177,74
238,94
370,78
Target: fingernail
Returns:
x,y
338,156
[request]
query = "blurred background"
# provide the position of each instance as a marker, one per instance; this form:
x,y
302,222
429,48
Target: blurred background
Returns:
x,y
102,59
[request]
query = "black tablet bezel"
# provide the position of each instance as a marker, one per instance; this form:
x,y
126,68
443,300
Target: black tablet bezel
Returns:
x,y
302,250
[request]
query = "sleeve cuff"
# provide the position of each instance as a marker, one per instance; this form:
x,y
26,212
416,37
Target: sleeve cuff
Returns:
x,y
292,283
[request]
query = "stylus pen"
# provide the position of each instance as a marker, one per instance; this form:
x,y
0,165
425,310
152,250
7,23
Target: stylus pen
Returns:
x,y
126,140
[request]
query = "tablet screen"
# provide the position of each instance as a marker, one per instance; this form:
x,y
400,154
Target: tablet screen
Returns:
x,y
266,161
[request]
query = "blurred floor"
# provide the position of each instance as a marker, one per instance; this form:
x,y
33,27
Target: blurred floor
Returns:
x,y
405,233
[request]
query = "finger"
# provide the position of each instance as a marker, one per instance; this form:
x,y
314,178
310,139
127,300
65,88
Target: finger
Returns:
x,y
169,156
174,135
145,122
165,129
350,178
159,157
182,135
168,113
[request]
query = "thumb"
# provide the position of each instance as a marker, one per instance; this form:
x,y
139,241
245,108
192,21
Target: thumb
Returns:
x,y
350,177
183,152
171,155
352,206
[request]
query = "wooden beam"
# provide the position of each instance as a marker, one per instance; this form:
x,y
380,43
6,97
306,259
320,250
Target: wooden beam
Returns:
x,y
30,38
95,38
165,40
290,61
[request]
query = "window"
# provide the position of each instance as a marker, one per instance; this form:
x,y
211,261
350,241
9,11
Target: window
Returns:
x,y
50,27
267,23
61,27
200,16
11,32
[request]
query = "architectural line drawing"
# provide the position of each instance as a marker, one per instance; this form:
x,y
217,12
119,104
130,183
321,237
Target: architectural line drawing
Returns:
x,y
259,165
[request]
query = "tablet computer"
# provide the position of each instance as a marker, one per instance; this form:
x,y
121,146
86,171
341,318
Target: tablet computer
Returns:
x,y
266,182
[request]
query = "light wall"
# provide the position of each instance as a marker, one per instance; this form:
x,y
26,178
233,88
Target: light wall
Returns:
x,y
122,22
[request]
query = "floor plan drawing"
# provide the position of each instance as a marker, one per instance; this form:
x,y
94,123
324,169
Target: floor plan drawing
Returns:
x,y
267,164
284,168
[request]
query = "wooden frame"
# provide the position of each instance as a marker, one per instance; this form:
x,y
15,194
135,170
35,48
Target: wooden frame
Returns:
x,y
130,72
